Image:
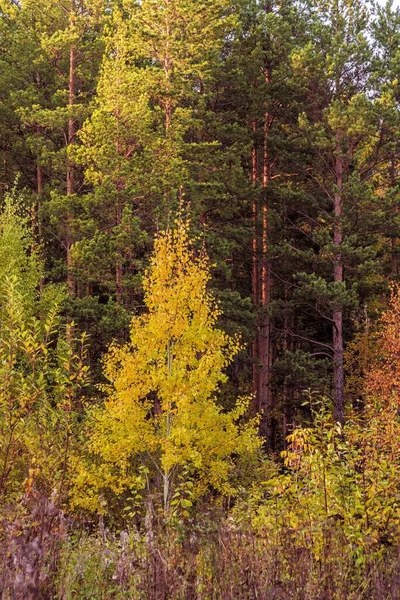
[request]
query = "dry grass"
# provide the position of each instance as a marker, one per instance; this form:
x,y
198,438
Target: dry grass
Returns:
x,y
213,559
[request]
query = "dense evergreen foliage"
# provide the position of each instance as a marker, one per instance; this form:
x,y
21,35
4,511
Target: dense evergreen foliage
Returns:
x,y
199,311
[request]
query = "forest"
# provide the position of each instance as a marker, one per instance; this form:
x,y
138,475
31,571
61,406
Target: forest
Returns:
x,y
199,300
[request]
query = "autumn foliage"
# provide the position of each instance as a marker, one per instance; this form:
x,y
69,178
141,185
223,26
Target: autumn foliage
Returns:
x,y
186,499
161,418
383,380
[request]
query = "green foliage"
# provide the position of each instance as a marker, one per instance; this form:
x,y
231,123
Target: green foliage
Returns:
x,y
41,369
16,260
336,483
87,569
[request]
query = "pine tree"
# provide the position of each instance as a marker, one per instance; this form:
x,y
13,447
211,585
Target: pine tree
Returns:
x,y
50,100
386,36
152,144
343,128
263,96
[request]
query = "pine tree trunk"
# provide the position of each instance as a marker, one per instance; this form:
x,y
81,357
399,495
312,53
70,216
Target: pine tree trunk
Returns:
x,y
34,215
394,240
39,183
338,369
265,399
255,278
70,166
167,66
287,385
167,70
118,265
36,221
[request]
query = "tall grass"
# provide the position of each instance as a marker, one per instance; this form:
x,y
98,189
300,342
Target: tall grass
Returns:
x,y
206,558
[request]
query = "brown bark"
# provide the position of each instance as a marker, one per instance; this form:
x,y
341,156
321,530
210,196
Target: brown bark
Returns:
x,y
36,206
254,177
167,70
118,218
394,241
338,369
394,270
118,283
255,269
167,64
39,175
34,220
38,221
265,354
287,385
118,266
70,166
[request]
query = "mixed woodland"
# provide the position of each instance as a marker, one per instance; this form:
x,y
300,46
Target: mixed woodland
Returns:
x,y
199,300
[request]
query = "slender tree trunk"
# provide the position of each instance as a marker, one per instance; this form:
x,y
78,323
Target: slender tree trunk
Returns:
x,y
70,166
120,186
394,241
394,260
38,220
34,220
39,181
255,278
265,399
167,70
168,416
287,385
338,369
167,66
37,228
3,183
118,266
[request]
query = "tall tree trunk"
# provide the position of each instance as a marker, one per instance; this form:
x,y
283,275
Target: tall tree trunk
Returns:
x,y
39,176
70,166
168,415
167,69
37,220
39,181
394,240
118,213
287,385
338,369
34,212
265,399
118,265
255,276
167,66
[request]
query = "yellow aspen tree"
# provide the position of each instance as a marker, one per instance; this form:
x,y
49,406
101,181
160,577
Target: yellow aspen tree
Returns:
x,y
161,408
